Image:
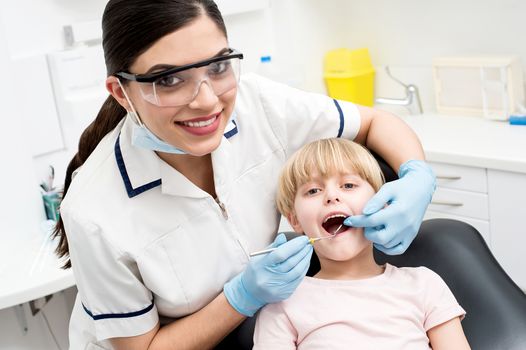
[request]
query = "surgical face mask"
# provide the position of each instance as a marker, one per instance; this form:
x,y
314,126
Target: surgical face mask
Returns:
x,y
142,137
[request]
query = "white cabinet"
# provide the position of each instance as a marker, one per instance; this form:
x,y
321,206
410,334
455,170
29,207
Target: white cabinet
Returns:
x,y
491,201
461,194
507,191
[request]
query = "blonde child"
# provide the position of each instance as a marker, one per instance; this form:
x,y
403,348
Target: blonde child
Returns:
x,y
352,302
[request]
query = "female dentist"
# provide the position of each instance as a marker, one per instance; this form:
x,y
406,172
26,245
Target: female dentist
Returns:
x,y
173,183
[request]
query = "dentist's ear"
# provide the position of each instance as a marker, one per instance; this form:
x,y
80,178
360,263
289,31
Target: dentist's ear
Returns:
x,y
293,221
115,89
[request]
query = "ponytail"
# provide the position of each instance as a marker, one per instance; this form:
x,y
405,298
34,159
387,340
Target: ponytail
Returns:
x,y
109,116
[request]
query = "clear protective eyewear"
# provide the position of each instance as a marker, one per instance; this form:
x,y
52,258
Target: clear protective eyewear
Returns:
x,y
179,85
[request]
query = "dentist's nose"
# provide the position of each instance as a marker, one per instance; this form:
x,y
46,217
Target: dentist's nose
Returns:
x,y
205,96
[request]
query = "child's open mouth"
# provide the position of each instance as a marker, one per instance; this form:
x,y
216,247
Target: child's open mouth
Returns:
x,y
333,224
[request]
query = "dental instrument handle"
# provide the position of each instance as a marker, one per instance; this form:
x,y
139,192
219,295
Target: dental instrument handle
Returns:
x,y
266,251
312,240
261,252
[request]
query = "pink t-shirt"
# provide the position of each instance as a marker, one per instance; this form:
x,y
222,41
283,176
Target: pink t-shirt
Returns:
x,y
393,310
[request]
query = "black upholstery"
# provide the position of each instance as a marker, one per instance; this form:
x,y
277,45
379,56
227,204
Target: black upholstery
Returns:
x,y
495,305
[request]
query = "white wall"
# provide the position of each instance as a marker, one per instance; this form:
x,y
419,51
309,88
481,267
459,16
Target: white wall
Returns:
x,y
407,34
35,26
296,33
20,190
304,30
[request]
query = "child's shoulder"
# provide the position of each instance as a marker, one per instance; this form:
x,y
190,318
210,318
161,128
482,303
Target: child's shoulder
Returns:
x,y
412,274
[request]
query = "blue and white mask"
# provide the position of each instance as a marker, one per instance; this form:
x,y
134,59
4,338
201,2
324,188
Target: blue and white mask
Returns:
x,y
142,137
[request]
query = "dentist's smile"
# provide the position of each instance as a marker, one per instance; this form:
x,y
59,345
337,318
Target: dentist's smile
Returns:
x,y
201,126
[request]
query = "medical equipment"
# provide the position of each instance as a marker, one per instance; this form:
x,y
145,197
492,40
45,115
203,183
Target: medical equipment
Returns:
x,y
484,86
311,241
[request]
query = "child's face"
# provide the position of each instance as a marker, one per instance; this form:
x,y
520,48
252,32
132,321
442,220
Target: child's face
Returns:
x,y
320,207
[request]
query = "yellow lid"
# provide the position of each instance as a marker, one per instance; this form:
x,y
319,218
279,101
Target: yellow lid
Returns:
x,y
345,63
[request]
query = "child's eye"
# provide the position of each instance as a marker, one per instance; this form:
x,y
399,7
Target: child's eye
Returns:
x,y
313,191
348,185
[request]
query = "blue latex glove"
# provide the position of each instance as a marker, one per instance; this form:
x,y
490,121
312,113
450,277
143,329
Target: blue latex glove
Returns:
x,y
393,228
270,278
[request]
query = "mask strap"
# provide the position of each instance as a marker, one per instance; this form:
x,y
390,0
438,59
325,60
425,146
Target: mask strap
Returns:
x,y
133,113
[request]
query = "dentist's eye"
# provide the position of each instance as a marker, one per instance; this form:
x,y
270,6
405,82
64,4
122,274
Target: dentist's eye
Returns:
x,y
169,82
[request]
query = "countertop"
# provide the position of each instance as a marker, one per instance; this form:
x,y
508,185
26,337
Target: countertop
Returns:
x,y
471,141
29,269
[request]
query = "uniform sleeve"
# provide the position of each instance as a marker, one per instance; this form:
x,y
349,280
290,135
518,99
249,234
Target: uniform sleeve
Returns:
x,y
440,304
298,117
274,329
108,282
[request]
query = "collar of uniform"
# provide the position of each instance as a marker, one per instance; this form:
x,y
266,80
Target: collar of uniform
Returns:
x,y
139,168
142,170
175,183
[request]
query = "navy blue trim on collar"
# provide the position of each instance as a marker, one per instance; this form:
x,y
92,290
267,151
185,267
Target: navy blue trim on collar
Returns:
x,y
132,192
342,119
232,132
123,315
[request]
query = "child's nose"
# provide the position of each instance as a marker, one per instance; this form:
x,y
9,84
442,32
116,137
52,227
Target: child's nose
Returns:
x,y
333,200
332,197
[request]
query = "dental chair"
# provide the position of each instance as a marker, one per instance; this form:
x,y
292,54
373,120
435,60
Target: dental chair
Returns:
x,y
495,306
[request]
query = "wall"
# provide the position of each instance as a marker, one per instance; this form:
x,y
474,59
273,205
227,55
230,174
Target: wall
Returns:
x,y
296,33
407,34
16,163
34,27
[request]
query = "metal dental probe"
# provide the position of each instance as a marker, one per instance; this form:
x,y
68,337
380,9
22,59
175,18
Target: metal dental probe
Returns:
x,y
311,241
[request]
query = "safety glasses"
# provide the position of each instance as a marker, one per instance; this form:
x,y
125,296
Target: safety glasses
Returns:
x,y
179,85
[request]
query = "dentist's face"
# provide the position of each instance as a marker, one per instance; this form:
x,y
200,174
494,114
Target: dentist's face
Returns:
x,y
320,207
198,126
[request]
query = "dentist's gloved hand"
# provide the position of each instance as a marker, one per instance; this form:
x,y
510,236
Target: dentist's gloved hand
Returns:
x,y
270,278
393,228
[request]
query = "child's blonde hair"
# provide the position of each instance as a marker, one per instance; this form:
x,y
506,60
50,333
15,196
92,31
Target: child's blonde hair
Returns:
x,y
326,157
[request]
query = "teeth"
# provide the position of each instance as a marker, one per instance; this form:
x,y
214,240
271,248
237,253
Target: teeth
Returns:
x,y
200,124
334,216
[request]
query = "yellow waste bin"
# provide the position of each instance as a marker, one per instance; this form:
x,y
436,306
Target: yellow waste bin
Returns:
x,y
349,75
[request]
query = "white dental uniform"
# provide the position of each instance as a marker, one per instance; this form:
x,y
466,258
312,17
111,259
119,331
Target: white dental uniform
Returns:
x,y
144,241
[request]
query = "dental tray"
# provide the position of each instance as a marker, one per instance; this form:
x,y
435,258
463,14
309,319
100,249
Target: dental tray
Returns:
x,y
483,86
